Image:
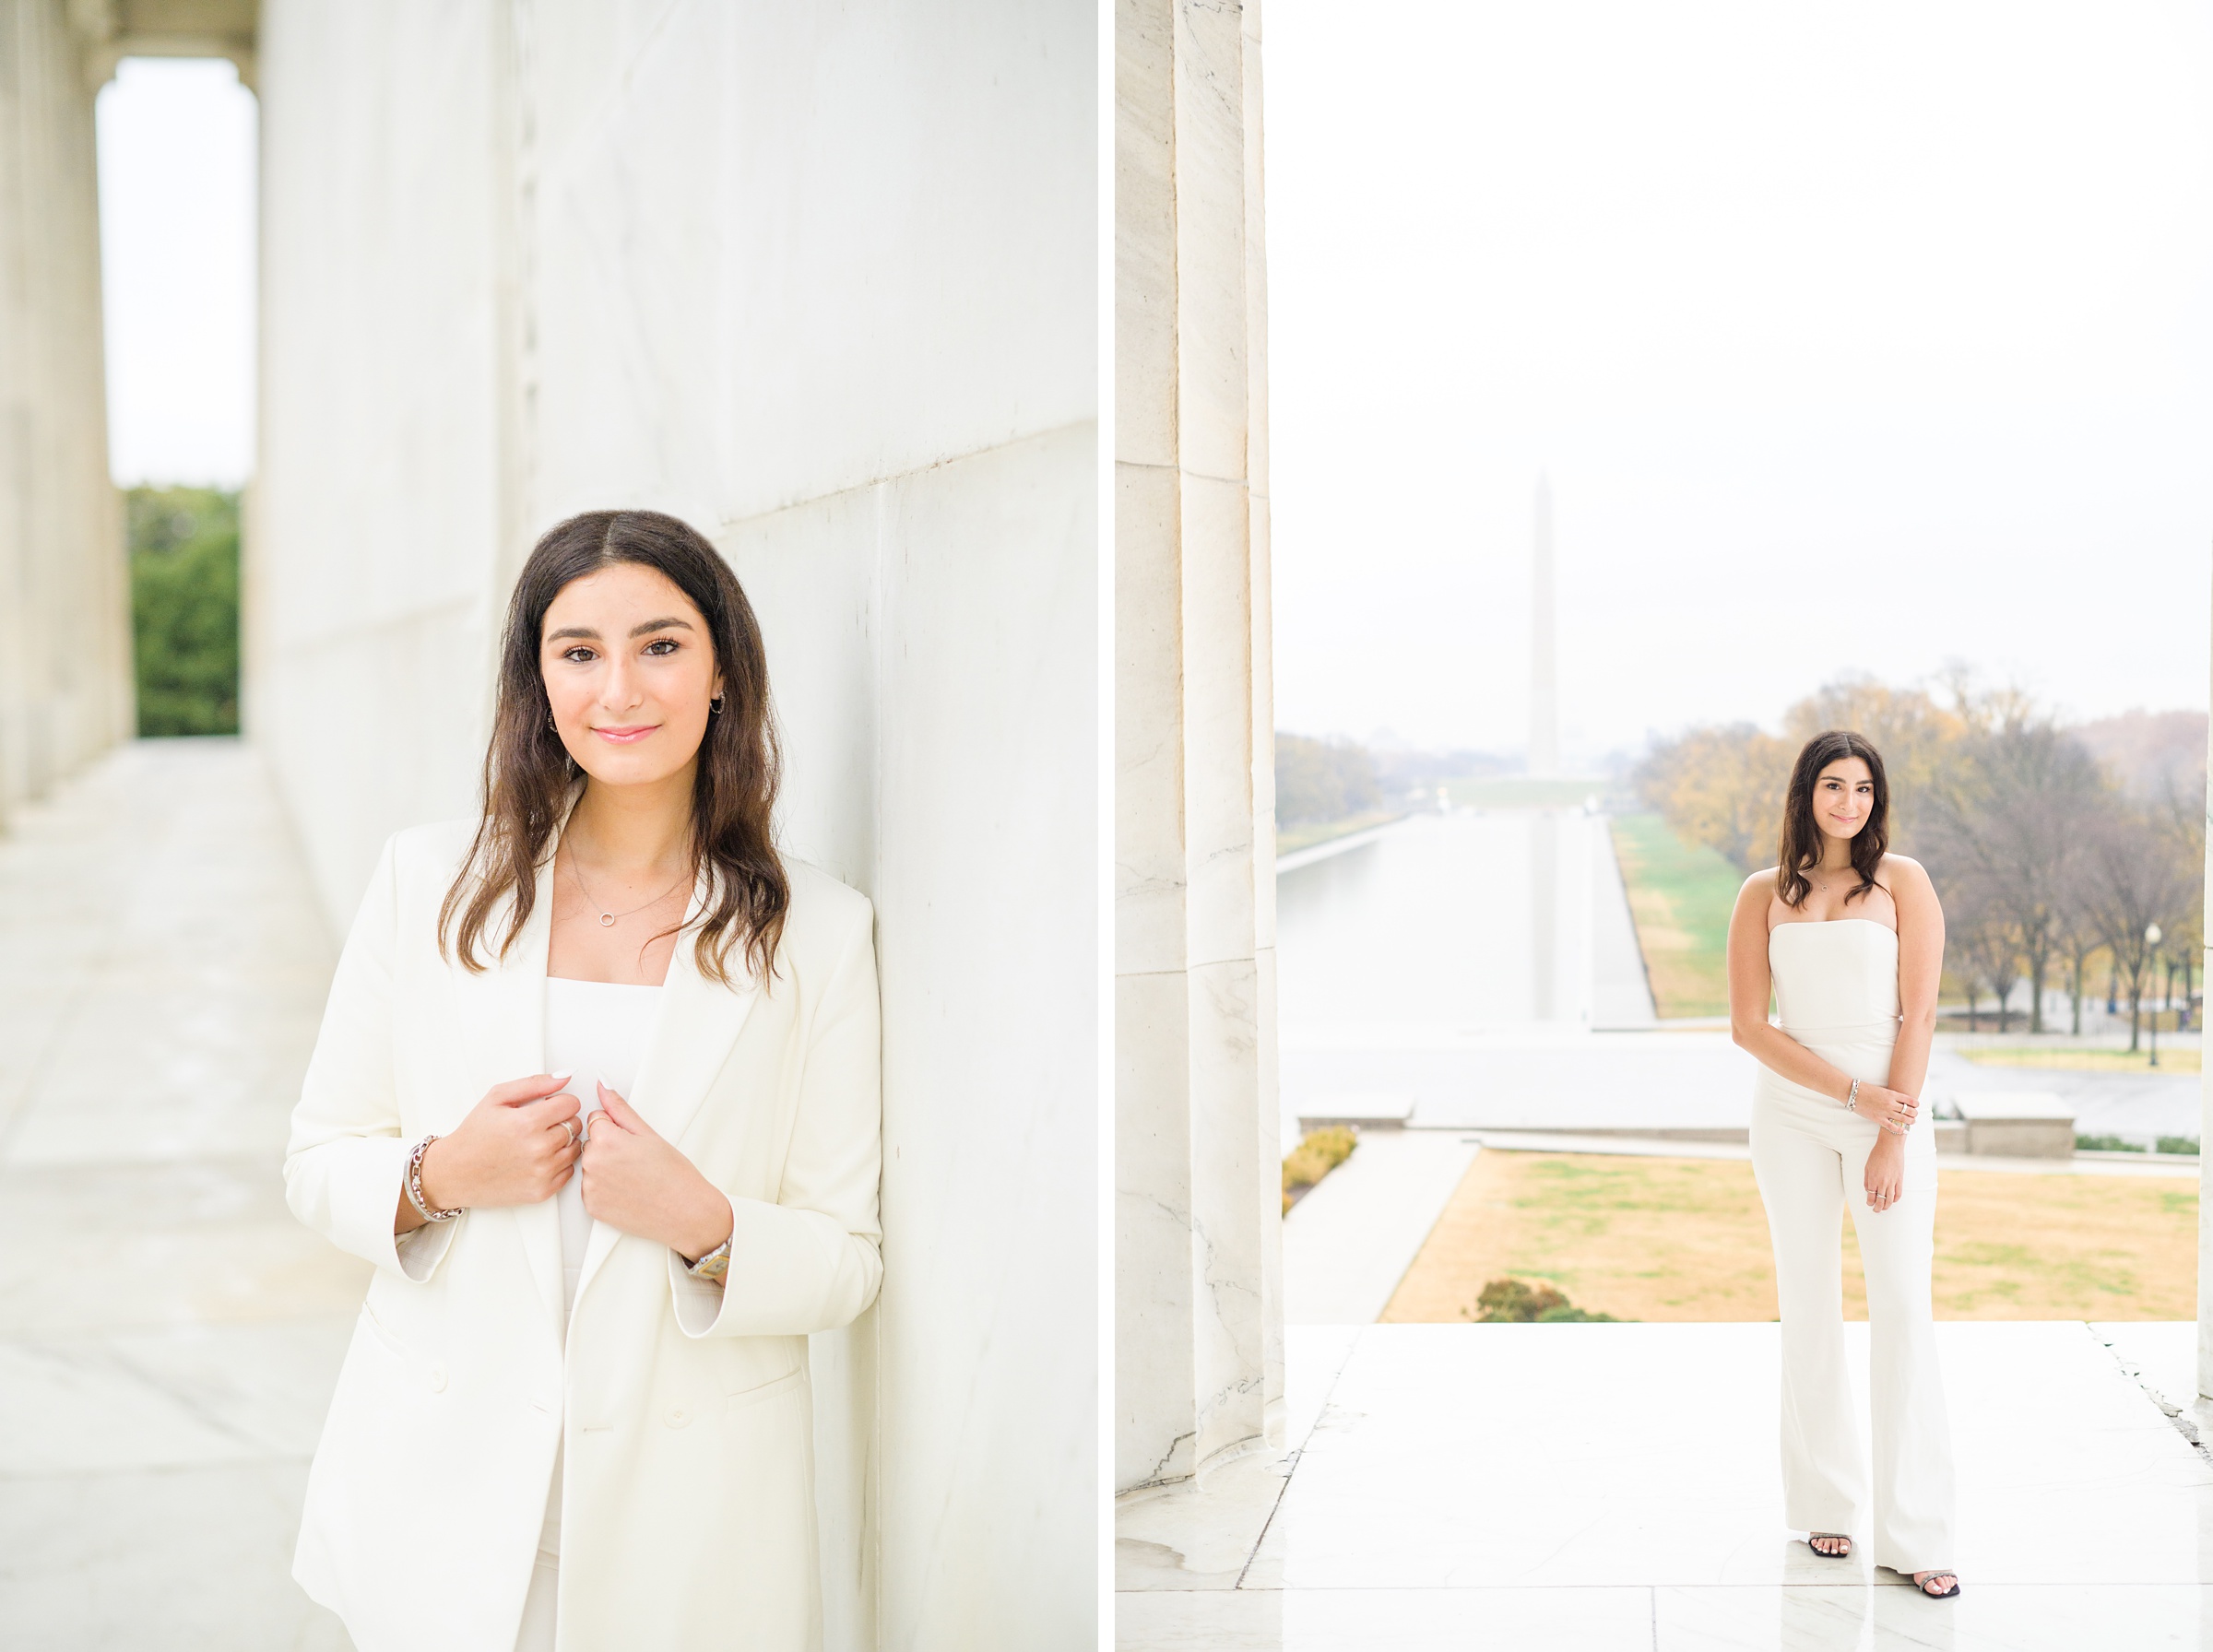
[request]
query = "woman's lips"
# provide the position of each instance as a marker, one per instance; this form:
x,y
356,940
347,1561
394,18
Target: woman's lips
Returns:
x,y
626,737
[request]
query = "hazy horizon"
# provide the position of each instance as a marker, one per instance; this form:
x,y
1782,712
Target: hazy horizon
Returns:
x,y
1851,342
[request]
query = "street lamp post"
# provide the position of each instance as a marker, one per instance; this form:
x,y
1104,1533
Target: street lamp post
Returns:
x,y
2151,939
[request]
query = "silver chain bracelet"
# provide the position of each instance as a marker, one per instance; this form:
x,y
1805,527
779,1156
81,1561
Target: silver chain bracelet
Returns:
x,y
1852,1103
414,1186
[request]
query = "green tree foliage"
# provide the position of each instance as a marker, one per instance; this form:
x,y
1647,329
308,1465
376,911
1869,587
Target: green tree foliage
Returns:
x,y
1323,780
1721,786
183,551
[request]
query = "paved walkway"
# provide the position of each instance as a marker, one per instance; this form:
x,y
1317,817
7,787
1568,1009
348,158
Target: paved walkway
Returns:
x,y
1348,1242
1614,1488
169,1334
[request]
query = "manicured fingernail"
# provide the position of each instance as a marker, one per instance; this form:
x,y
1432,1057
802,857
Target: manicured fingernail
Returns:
x,y
560,1078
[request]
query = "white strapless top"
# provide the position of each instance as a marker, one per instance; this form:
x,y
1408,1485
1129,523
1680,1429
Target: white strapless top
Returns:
x,y
1837,978
597,1032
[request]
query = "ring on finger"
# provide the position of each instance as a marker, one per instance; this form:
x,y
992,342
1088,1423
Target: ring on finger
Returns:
x,y
570,1125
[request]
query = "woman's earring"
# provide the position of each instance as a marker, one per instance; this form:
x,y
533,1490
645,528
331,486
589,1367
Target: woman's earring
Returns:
x,y
715,703
551,724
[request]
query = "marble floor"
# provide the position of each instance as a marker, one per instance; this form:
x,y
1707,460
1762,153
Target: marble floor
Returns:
x,y
169,1334
1563,1487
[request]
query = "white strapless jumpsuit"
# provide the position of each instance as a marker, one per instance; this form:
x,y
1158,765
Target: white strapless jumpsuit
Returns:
x,y
1836,985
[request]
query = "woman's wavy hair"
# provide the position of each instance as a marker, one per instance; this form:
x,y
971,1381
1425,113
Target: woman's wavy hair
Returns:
x,y
530,782
1800,849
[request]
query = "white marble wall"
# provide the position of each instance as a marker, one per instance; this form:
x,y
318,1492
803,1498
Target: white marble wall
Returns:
x,y
65,617
823,282
2205,1135
1199,1316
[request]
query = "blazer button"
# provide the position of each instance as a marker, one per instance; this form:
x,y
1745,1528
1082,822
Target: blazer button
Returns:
x,y
437,1379
678,1417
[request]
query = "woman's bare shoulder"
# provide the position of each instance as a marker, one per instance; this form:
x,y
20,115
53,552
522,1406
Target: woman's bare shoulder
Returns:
x,y
1757,890
1903,870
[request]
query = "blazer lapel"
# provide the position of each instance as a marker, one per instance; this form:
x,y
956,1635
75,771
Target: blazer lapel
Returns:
x,y
514,1026
698,1024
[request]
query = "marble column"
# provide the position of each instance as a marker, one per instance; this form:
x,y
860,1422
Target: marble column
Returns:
x,y
1199,1366
64,623
2205,1137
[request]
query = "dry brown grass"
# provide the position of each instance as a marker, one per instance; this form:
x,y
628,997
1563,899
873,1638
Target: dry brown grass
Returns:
x,y
2181,1060
1688,1239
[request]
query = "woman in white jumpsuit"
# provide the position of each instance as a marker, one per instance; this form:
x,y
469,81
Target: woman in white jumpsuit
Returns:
x,y
1849,941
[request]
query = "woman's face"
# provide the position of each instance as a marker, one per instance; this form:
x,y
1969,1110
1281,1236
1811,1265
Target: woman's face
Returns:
x,y
629,670
1843,796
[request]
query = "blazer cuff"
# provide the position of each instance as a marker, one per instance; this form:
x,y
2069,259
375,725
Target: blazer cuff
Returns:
x,y
698,1301
419,1251
366,1190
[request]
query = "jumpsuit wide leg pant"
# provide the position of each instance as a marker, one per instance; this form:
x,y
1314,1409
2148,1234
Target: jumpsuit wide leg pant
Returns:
x,y
1809,1156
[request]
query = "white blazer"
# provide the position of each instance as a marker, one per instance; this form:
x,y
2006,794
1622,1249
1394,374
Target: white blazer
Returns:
x,y
688,1500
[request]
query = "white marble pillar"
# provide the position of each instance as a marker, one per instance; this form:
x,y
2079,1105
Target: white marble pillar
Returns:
x,y
1544,665
65,620
2205,1137
1199,1356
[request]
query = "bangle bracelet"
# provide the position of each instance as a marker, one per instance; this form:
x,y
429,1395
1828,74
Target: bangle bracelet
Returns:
x,y
414,1186
1852,1102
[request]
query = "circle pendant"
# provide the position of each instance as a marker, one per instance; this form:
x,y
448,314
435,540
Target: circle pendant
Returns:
x,y
607,920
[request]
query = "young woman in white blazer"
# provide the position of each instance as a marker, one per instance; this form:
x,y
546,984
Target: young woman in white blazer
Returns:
x,y
598,1093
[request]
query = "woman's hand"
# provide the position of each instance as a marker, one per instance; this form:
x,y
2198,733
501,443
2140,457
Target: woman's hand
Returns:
x,y
1892,1109
635,1181
517,1146
1886,1170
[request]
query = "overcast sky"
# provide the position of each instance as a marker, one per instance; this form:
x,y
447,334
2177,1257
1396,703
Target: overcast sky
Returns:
x,y
1853,339
176,227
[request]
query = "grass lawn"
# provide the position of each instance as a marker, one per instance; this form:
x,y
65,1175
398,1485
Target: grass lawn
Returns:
x,y
1688,1239
1681,898
2088,1061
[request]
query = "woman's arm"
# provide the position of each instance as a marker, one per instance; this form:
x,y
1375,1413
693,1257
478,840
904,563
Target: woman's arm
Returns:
x,y
344,1164
1920,968
810,1260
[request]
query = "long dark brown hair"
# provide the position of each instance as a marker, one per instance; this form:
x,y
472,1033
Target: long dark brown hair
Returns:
x,y
1801,849
530,782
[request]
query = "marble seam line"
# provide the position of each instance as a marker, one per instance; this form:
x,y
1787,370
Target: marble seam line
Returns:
x,y
1185,470
1290,1459
733,524
2175,1415
1155,1477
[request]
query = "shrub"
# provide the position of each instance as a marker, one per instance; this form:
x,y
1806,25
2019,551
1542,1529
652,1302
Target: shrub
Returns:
x,y
1320,1152
1519,1301
2179,1144
2108,1144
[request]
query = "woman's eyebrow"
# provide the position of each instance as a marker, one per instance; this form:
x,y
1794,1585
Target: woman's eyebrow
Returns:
x,y
573,630
639,630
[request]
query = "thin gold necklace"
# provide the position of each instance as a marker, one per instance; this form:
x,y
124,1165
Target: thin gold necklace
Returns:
x,y
609,919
